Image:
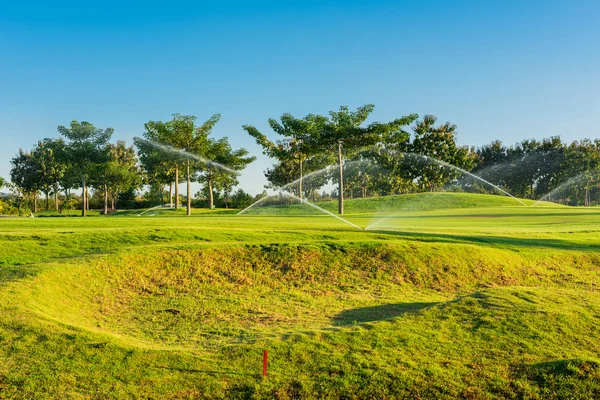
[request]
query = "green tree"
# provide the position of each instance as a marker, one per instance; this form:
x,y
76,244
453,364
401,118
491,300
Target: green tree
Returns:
x,y
160,163
582,164
241,199
118,173
85,149
344,130
193,140
49,157
436,144
213,177
188,142
25,177
294,149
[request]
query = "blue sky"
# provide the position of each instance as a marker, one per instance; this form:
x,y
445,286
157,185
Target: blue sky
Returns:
x,y
499,70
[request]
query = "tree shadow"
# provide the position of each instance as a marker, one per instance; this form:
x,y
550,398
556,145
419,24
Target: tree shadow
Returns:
x,y
12,273
492,241
551,371
378,313
204,371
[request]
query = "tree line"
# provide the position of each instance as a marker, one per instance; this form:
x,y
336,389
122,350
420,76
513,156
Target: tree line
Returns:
x,y
167,154
410,154
406,155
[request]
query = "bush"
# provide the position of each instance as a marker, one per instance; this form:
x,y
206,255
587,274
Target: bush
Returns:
x,y
8,209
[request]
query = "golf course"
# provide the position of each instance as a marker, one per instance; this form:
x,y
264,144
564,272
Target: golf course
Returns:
x,y
443,295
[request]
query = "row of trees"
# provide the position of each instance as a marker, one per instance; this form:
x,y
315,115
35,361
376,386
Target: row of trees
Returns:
x,y
85,158
549,169
404,155
413,155
169,147
374,154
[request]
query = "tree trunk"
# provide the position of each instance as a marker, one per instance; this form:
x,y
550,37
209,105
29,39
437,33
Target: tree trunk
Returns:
x,y
341,183
586,201
176,188
35,202
531,190
87,198
83,195
189,193
210,193
56,199
114,208
170,194
105,199
300,185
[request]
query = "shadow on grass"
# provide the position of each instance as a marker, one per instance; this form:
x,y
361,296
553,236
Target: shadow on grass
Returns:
x,y
377,313
571,378
10,273
204,371
490,215
494,241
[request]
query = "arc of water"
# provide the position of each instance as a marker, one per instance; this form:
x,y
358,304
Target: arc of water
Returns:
x,y
253,204
568,182
170,205
327,169
445,164
182,153
325,211
304,201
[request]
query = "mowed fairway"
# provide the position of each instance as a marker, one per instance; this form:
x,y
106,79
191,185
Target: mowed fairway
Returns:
x,y
444,296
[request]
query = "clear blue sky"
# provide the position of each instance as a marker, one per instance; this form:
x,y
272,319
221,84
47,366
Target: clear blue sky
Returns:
x,y
504,70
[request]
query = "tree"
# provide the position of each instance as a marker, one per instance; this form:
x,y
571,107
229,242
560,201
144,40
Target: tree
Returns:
x,y
70,180
25,177
193,140
343,130
582,166
85,149
189,145
161,163
241,199
1,182
49,158
220,151
436,144
118,173
295,148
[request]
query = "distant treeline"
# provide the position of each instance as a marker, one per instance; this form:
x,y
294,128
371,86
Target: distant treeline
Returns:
x,y
110,174
411,155
406,155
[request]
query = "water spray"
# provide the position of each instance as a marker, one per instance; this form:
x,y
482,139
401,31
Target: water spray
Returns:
x,y
186,155
303,201
170,205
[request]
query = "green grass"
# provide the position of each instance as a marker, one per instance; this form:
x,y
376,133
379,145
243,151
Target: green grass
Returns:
x,y
399,203
462,296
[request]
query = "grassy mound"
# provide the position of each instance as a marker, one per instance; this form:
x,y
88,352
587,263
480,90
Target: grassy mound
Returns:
x,y
399,203
354,320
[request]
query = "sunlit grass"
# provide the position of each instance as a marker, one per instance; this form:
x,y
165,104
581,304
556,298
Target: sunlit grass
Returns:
x,y
486,300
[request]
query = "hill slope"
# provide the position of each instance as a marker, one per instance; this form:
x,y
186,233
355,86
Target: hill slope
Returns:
x,y
184,307
398,203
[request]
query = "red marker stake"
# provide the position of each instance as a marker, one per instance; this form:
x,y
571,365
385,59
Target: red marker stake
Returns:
x,y
265,361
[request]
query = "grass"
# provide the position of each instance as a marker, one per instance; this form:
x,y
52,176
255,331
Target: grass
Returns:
x,y
467,298
399,203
